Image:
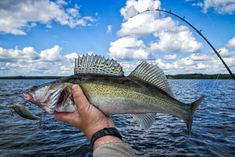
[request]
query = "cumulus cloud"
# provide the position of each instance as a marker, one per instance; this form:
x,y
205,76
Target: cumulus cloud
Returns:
x,y
52,54
178,40
72,56
133,7
13,54
202,63
27,61
30,53
231,43
220,6
146,23
170,57
128,48
166,34
207,63
16,16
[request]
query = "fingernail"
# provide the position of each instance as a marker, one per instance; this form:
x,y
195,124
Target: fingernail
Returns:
x,y
74,87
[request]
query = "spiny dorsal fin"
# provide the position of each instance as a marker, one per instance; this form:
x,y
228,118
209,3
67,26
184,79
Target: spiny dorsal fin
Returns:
x,y
152,74
145,120
90,64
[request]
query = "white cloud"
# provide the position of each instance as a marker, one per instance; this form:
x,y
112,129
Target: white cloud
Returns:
x,y
166,35
13,54
128,47
201,66
231,43
187,64
128,66
178,40
16,16
30,53
27,61
145,23
186,61
72,56
133,7
223,51
199,57
220,6
170,57
198,63
52,54
109,29
148,35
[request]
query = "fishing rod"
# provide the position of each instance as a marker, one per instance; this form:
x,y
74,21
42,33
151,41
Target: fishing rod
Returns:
x,y
198,31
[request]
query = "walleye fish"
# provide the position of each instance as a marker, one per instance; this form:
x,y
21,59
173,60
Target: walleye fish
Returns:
x,y
142,94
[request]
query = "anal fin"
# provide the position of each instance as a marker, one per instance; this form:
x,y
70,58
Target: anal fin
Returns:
x,y
145,120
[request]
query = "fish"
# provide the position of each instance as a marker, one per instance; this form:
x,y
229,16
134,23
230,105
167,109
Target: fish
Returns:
x,y
24,112
142,94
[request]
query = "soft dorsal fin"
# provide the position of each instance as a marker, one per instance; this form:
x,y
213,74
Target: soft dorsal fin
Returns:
x,y
152,74
93,64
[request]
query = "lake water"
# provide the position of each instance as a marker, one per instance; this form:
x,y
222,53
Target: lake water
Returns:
x,y
213,126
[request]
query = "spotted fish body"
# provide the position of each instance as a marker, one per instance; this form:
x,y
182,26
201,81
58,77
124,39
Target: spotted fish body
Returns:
x,y
142,94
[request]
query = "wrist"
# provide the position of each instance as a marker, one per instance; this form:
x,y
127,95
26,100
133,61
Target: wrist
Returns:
x,y
89,132
106,135
104,140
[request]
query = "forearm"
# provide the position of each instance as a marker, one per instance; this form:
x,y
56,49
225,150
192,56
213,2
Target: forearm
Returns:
x,y
114,149
105,140
111,145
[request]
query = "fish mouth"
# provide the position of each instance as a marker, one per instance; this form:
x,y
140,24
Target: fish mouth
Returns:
x,y
29,97
54,99
47,99
62,97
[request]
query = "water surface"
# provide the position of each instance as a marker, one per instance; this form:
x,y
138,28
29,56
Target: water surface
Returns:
x,y
213,126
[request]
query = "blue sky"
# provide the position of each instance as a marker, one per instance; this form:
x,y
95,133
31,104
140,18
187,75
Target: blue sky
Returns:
x,y
43,37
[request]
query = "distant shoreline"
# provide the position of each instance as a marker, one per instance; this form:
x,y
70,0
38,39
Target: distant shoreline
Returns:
x,y
200,76
30,77
178,76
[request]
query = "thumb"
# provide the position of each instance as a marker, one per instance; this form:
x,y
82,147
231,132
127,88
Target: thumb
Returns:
x,y
80,99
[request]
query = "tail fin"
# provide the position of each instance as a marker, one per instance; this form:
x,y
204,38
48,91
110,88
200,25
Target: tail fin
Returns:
x,y
193,107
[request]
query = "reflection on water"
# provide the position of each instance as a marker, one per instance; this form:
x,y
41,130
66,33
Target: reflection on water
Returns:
x,y
213,127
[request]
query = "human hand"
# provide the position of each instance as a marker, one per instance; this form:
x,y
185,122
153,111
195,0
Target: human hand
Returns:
x,y
87,118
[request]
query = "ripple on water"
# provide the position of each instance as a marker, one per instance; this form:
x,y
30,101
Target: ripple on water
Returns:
x,y
213,128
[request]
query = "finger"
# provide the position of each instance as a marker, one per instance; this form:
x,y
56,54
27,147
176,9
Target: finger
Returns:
x,y
80,99
65,117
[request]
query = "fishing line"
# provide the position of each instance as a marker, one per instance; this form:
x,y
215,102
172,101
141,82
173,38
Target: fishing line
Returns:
x,y
210,21
40,124
215,83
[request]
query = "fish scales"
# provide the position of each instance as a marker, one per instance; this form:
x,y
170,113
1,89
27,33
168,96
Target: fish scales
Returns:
x,y
124,95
